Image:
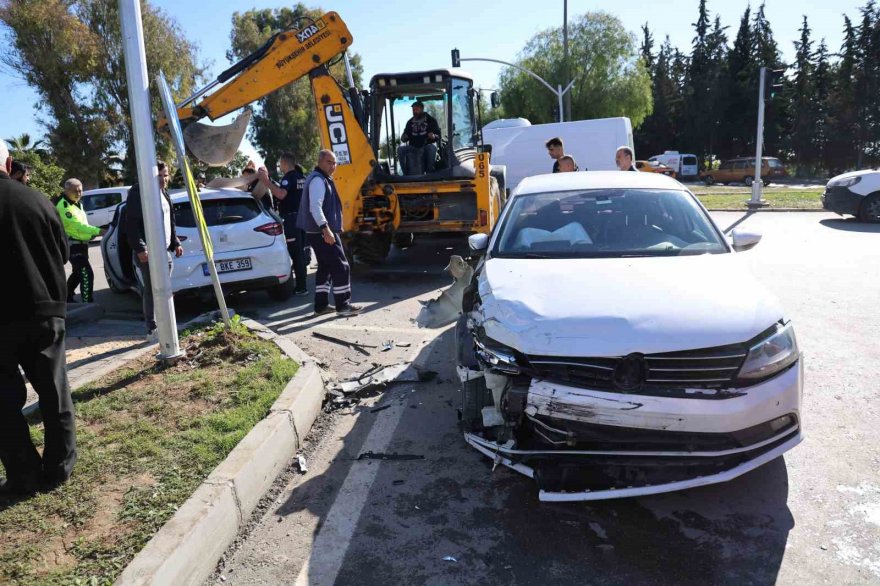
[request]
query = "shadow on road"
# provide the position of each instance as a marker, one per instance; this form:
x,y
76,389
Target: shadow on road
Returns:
x,y
453,504
850,225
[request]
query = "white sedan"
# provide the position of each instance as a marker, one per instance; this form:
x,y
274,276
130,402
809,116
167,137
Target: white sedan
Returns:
x,y
613,344
250,251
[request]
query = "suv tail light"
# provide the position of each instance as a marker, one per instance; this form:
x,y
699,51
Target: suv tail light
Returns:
x,y
272,229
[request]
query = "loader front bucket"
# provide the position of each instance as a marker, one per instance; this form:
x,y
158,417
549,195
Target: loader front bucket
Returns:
x,y
216,145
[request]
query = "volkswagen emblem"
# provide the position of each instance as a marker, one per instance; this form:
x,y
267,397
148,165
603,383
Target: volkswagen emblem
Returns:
x,y
630,373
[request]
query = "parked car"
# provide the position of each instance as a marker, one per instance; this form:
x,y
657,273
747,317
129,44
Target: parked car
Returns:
x,y
742,170
685,165
100,204
655,167
855,194
592,358
249,247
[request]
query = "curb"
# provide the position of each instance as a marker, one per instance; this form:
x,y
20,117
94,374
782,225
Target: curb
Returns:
x,y
78,313
186,549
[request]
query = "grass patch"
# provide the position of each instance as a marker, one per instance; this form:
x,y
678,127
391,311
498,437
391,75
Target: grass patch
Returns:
x,y
802,199
147,436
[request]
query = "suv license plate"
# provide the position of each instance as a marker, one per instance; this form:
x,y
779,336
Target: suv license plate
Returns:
x,y
229,266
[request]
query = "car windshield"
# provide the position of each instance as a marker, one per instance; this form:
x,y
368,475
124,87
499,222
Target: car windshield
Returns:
x,y
600,223
218,212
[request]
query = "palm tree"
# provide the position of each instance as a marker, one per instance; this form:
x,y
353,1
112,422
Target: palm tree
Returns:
x,y
22,143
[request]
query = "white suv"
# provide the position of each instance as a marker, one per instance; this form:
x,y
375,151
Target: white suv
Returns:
x,y
250,251
100,204
856,194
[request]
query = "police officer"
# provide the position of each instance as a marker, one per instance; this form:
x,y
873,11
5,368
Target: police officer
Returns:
x,y
320,216
79,232
289,194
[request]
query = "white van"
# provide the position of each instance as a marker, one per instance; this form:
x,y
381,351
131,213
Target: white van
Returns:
x,y
684,164
100,204
520,145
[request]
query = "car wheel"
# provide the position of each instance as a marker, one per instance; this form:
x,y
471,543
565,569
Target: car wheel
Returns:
x,y
282,291
708,180
869,211
766,182
111,282
748,180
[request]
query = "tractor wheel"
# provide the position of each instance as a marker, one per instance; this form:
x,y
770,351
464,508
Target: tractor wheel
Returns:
x,y
370,249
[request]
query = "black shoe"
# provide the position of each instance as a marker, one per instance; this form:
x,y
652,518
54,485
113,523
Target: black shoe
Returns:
x,y
324,310
349,310
18,487
302,293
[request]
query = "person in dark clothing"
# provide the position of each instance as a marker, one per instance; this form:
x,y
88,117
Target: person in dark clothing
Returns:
x,y
32,333
289,194
320,215
555,150
623,158
134,233
423,134
20,172
79,233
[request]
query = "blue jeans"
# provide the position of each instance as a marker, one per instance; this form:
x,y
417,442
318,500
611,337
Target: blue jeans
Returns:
x,y
417,160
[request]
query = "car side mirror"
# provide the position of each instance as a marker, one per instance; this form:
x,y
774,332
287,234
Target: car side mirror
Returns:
x,y
478,243
745,240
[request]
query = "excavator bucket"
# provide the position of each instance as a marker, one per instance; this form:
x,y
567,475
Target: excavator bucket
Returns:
x,y
216,145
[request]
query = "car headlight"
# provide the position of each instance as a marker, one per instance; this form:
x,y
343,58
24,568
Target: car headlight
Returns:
x,y
496,356
844,182
773,354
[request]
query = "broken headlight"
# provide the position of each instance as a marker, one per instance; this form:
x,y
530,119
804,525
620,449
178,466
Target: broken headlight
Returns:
x,y
773,354
496,356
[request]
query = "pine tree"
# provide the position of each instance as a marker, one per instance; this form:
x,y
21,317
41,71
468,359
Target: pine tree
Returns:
x,y
737,128
646,50
802,99
822,95
766,54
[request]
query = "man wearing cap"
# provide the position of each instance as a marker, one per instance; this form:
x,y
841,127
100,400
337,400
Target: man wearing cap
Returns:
x,y
79,232
422,133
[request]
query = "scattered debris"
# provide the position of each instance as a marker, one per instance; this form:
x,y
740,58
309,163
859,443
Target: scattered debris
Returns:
x,y
378,375
357,346
301,461
377,409
403,344
398,482
386,346
449,558
395,456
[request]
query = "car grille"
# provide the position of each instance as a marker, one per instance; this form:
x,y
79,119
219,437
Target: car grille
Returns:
x,y
710,368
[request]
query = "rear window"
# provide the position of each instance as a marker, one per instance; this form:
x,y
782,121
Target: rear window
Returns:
x,y
218,212
689,160
775,163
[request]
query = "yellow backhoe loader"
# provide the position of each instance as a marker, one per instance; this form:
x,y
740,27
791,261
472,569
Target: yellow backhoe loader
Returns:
x,y
464,193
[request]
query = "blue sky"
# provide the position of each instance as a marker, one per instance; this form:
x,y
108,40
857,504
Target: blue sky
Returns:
x,y
398,35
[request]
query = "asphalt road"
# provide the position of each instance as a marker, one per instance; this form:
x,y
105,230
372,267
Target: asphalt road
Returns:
x,y
808,518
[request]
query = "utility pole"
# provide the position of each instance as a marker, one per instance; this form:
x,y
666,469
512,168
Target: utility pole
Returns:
x,y
148,173
757,183
567,67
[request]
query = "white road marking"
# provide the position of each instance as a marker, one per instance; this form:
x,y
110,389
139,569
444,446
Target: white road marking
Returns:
x,y
331,544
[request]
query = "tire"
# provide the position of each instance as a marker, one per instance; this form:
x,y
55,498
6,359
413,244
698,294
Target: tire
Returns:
x,y
869,211
708,180
370,249
404,240
281,291
766,182
748,180
474,396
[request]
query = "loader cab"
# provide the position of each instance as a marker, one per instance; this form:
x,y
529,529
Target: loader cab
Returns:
x,y
448,96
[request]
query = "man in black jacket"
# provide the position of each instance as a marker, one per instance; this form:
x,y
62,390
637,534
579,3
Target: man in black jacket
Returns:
x,y
422,133
32,332
134,232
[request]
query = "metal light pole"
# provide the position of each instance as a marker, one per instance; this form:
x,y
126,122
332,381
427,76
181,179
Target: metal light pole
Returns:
x,y
558,90
757,184
566,68
145,154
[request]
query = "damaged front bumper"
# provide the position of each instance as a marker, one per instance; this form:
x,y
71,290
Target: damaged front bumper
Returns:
x,y
581,444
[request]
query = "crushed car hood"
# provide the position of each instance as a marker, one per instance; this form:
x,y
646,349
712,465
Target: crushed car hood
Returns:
x,y
617,306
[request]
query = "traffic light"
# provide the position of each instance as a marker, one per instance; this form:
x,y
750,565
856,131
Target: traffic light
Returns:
x,y
456,59
773,82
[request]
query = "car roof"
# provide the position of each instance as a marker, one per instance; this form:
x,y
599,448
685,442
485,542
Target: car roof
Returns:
x,y
596,180
208,194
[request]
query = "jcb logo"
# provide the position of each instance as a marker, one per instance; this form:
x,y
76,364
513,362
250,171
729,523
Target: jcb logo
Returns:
x,y
307,33
338,135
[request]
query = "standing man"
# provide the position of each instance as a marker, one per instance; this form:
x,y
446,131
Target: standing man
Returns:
x,y
624,159
79,233
289,196
20,172
421,132
134,232
567,164
555,150
320,215
32,332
